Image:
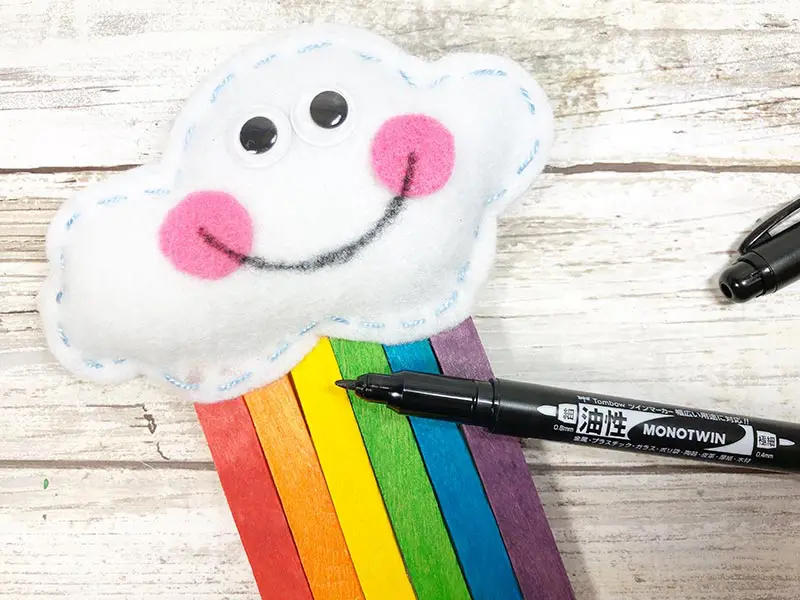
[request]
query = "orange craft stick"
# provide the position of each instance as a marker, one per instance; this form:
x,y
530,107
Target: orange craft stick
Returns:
x,y
253,500
304,494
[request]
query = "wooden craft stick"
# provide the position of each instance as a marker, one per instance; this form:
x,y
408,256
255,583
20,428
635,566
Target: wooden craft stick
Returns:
x,y
253,500
349,477
458,488
417,521
506,479
303,492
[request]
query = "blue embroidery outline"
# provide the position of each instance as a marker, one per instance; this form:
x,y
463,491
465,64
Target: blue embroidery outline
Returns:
x,y
442,308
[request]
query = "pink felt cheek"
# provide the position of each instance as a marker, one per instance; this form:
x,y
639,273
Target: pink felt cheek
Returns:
x,y
433,148
217,214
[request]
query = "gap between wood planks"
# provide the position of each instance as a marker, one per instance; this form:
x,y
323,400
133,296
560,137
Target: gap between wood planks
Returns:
x,y
582,168
177,465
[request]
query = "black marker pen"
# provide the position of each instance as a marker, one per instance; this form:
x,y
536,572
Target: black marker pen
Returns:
x,y
534,411
769,259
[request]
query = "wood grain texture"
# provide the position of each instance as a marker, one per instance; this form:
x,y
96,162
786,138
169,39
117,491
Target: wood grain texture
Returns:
x,y
677,129
459,491
93,533
512,494
253,499
687,83
120,534
303,492
405,486
593,271
349,477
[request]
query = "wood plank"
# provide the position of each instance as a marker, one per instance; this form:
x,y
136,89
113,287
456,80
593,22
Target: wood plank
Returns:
x,y
119,534
656,536
686,83
603,282
168,534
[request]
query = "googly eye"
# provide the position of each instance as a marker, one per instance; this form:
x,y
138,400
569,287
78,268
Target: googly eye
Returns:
x,y
259,136
328,109
324,117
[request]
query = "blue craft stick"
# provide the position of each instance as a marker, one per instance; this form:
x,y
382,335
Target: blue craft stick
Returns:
x,y
462,500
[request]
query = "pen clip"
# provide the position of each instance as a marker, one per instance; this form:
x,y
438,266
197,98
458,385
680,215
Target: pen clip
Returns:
x,y
761,234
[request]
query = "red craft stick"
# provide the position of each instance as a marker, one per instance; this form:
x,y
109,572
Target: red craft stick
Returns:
x,y
253,499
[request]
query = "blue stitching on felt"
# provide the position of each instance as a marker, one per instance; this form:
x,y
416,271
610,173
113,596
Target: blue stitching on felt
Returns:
x,y
448,304
408,79
313,47
526,95
275,355
490,72
71,221
461,275
308,328
188,137
462,272
412,324
530,158
180,384
265,61
65,340
368,57
496,197
221,86
111,200
157,192
233,383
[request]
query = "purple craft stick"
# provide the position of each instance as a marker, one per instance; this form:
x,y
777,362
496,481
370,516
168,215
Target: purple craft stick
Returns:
x,y
509,487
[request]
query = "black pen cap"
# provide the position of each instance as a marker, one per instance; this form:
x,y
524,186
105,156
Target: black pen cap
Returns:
x,y
764,268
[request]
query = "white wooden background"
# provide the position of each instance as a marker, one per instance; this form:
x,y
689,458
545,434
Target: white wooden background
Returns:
x,y
678,127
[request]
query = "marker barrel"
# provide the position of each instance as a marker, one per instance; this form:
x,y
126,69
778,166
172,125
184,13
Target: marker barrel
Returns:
x,y
536,411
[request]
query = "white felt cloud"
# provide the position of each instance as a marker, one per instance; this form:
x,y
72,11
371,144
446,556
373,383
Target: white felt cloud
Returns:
x,y
321,183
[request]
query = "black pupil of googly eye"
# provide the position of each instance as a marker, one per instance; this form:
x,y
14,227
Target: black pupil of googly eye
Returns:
x,y
258,135
328,109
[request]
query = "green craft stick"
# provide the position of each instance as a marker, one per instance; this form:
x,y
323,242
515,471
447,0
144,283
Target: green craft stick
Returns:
x,y
407,491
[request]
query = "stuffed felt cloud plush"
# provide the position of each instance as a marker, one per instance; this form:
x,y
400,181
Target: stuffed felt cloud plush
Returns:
x,y
321,183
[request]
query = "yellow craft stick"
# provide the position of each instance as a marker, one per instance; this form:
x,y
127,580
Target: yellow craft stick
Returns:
x,y
304,495
348,472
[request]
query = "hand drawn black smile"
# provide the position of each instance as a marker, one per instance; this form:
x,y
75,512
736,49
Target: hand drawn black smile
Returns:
x,y
338,256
